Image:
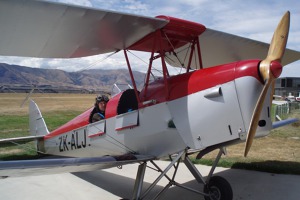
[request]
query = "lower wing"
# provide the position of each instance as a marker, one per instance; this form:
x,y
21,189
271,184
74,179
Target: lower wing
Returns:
x,y
284,122
46,165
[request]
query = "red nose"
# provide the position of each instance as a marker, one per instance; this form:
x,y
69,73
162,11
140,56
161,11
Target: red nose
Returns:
x,y
276,68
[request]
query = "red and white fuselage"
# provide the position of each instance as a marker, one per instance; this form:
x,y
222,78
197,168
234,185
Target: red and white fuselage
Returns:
x,y
202,108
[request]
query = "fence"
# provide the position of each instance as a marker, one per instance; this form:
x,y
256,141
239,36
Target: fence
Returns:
x,y
281,111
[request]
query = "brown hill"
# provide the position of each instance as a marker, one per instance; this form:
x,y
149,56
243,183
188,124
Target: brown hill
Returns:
x,y
93,79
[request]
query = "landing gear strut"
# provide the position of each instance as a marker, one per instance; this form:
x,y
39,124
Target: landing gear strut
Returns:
x,y
215,187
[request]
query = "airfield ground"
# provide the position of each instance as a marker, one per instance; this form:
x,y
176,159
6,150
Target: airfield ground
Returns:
x,y
114,184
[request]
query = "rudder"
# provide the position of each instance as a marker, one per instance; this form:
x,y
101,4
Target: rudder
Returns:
x,y
37,124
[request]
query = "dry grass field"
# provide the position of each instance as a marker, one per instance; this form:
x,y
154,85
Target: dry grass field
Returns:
x,y
10,104
280,148
56,109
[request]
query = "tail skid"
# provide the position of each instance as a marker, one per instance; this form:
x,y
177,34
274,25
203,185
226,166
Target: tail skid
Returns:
x,y
37,124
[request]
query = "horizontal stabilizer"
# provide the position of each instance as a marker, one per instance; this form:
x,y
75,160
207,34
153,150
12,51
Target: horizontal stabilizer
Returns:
x,y
284,122
64,165
19,140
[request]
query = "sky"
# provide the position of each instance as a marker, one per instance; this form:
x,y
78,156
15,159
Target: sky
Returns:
x,y
253,19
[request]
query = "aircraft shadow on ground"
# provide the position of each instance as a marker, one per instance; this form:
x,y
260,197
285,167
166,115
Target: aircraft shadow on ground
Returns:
x,y
123,186
245,185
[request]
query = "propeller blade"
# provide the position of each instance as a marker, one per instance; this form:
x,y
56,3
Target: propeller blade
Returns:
x,y
255,117
280,37
270,69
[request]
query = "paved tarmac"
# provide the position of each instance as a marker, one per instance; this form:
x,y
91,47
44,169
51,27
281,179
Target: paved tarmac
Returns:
x,y
114,184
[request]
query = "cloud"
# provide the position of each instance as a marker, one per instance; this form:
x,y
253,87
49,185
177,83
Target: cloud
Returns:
x,y
86,3
253,19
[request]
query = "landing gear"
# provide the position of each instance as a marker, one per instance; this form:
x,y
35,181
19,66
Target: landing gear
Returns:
x,y
215,187
218,189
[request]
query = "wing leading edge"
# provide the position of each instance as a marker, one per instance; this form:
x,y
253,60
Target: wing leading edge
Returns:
x,y
49,30
63,165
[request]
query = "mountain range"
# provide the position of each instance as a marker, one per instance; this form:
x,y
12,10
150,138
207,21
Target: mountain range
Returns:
x,y
92,79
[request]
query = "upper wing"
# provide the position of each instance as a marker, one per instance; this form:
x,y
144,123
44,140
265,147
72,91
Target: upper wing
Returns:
x,y
219,48
48,30
63,165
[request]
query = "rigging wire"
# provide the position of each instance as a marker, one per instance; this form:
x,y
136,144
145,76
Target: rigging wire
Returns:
x,y
173,48
153,68
188,48
23,146
97,61
120,144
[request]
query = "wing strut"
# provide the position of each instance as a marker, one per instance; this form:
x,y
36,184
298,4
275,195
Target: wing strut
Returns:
x,y
132,77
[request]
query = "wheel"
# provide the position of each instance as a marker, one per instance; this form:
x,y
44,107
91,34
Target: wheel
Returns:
x,y
218,188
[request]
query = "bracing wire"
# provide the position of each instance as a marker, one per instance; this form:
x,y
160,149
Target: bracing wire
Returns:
x,y
153,68
118,143
98,61
173,48
176,54
26,147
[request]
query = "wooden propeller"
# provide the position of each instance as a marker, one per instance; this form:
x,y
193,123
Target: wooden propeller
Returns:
x,y
270,69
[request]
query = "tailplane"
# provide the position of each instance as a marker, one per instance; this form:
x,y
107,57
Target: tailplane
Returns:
x,y
37,124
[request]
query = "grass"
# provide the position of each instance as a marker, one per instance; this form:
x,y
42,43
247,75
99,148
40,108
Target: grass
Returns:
x,y
57,109
271,166
56,119
13,126
279,152
17,126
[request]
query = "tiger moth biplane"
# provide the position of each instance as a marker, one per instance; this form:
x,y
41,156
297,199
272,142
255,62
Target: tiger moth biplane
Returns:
x,y
221,99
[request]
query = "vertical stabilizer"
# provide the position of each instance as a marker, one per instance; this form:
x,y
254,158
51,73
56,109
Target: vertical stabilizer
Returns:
x,y
36,121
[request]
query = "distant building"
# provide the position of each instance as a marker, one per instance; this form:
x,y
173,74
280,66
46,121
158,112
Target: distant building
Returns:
x,y
18,88
285,86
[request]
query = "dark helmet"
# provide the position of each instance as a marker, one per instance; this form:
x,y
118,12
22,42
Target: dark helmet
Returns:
x,y
100,98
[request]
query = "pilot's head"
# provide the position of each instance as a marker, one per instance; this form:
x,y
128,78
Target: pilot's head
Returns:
x,y
101,101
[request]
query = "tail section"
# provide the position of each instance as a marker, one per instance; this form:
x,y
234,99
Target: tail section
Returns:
x,y
37,124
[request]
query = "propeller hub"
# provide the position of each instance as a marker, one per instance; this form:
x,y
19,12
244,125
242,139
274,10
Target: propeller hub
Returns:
x,y
276,68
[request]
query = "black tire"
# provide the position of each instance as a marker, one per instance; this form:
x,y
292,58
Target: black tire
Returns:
x,y
218,188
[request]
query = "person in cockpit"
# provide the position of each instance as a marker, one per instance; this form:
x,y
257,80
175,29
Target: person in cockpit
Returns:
x,y
98,113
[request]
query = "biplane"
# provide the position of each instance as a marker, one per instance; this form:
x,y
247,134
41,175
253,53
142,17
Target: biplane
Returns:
x,y
223,96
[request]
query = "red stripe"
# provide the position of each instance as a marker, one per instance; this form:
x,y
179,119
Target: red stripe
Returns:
x,y
96,134
125,127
